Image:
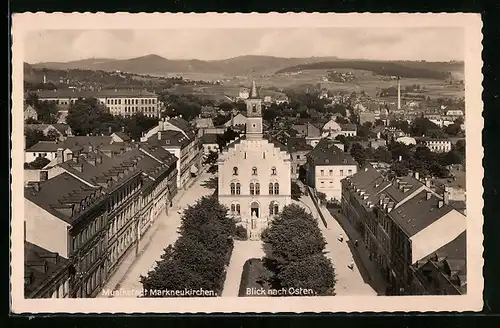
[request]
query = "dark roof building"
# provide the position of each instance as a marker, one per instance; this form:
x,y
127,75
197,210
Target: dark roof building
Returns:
x,y
326,153
44,272
209,138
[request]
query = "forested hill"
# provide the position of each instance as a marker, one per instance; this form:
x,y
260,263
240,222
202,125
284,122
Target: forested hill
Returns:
x,y
439,71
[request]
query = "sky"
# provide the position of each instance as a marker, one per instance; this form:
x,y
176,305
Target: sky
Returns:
x,y
431,44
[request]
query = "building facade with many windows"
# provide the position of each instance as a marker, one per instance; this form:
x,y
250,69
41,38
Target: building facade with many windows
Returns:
x,y
404,225
96,209
118,102
254,174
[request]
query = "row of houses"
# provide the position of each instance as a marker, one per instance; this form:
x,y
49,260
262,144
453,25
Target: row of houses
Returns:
x,y
86,212
414,235
95,200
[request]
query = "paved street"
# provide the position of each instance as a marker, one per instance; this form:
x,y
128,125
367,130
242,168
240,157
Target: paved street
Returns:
x,y
158,237
349,282
243,251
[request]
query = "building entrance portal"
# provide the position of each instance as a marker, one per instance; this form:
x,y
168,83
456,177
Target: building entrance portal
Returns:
x,y
254,212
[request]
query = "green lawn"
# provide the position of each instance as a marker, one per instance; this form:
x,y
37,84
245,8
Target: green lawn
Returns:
x,y
255,275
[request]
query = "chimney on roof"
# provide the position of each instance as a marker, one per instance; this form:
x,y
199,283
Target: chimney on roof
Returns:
x,y
110,130
440,203
44,175
428,183
417,176
446,195
159,135
400,158
75,159
123,129
98,159
60,155
366,168
36,185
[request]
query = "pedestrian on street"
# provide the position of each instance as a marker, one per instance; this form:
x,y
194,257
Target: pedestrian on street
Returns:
x,y
341,238
351,265
356,243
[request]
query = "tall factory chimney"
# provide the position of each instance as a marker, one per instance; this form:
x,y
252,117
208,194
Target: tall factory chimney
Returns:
x,y
399,93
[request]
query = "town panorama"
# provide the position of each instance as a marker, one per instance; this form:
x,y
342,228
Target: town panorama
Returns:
x,y
265,177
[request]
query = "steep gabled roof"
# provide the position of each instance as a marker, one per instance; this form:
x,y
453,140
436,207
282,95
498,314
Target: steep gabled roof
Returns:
x,y
326,153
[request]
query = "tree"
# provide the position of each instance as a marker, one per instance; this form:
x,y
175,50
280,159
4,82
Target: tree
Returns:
x,y
137,124
295,252
381,154
85,116
421,126
314,272
200,255
453,129
46,111
39,163
321,197
211,160
270,113
358,153
33,137
400,169
296,191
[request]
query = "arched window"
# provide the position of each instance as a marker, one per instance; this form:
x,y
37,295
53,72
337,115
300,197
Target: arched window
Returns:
x,y
276,188
271,188
235,170
252,188
232,188
257,188
254,170
273,171
238,209
233,208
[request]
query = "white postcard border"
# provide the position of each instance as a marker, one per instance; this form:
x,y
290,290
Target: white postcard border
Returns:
x,y
23,23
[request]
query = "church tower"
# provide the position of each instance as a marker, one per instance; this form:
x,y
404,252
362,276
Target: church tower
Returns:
x,y
254,115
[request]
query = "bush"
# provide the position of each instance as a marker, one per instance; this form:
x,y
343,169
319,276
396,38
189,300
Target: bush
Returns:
x,y
38,164
241,232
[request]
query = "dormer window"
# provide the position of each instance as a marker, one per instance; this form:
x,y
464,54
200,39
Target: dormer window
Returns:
x,y
273,171
235,170
254,170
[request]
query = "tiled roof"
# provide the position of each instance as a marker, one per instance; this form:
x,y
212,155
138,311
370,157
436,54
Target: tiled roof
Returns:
x,y
85,141
325,153
418,213
160,153
277,143
298,144
398,194
123,136
209,138
96,173
183,125
71,93
170,138
40,266
46,146
55,192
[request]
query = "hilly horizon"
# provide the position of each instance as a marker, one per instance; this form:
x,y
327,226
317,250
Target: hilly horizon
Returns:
x,y
240,65
155,64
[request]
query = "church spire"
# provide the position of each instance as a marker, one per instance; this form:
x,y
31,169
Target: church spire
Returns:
x,y
253,92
